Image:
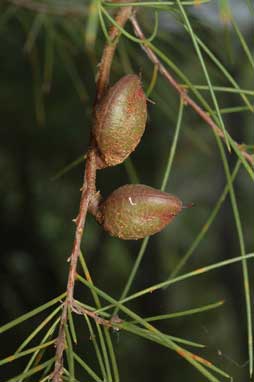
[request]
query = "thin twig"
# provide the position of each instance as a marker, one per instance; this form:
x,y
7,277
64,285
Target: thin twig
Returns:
x,y
88,192
77,308
182,92
109,50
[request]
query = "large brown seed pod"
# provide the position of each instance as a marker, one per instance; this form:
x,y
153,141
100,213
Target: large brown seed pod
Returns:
x,y
136,211
120,120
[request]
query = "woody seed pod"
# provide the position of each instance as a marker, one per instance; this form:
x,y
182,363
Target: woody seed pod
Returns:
x,y
120,120
136,211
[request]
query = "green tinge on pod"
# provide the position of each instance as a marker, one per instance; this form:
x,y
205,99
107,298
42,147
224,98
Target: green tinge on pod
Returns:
x,y
120,120
136,211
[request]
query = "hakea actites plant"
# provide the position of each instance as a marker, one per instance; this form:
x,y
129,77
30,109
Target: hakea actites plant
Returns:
x,y
131,211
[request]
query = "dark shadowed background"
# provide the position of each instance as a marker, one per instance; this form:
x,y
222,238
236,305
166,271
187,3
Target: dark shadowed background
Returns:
x,y
47,88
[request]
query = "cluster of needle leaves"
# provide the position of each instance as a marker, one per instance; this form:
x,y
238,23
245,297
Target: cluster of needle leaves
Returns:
x,y
45,22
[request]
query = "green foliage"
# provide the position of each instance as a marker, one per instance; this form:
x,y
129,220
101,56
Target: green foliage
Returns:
x,y
55,46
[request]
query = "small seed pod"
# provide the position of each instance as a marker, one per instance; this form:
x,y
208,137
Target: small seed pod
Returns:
x,y
120,120
136,211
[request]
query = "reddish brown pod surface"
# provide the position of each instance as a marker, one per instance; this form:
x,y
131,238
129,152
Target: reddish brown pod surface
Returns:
x,y
120,120
136,211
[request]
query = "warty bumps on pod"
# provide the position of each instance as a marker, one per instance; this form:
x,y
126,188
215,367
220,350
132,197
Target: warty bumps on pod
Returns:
x,y
120,120
137,211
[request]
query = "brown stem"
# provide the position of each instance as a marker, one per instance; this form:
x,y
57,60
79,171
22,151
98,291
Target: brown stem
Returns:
x,y
187,99
88,194
109,50
77,308
88,191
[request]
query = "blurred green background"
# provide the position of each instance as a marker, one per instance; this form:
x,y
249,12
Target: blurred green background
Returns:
x,y
47,74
